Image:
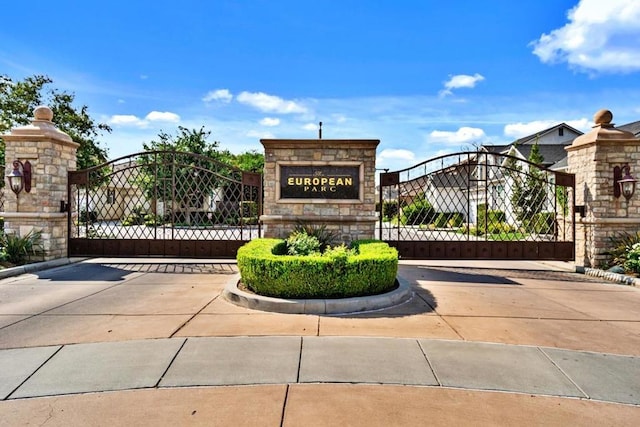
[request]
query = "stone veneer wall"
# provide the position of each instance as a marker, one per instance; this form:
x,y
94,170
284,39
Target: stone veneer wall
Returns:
x,y
352,219
51,153
591,158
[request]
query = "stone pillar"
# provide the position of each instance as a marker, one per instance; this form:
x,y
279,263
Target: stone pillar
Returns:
x,y
320,182
52,154
592,157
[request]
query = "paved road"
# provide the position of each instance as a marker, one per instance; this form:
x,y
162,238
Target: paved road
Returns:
x,y
561,348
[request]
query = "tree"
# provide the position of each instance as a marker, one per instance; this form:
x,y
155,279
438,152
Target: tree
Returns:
x,y
250,161
529,187
184,170
18,99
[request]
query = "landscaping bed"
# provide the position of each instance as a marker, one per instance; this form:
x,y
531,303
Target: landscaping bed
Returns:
x,y
368,267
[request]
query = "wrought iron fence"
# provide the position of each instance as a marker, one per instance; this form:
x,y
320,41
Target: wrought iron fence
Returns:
x,y
164,195
477,196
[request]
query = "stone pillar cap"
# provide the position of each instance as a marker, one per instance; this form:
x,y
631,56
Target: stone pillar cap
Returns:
x,y
41,126
603,130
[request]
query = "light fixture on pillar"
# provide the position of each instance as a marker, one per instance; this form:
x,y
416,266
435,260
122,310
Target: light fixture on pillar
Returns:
x,y
20,177
623,182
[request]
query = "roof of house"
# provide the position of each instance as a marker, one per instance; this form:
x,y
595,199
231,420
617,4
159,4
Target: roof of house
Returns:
x,y
560,165
551,153
447,179
633,127
531,139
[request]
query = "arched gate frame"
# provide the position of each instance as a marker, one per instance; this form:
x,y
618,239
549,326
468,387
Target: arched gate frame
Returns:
x,y
478,205
165,204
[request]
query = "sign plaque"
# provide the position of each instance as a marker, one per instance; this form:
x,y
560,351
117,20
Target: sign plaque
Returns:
x,y
319,182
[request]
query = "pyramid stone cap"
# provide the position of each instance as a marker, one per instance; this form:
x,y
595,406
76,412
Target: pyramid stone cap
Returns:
x,y
603,130
41,126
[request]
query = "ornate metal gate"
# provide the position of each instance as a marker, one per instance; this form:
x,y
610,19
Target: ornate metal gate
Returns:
x,y
478,205
163,203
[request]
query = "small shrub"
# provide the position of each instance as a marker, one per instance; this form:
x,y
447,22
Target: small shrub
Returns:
x,y
620,245
541,223
88,217
500,228
249,209
418,212
369,267
632,261
17,250
152,220
137,217
456,220
389,209
300,243
488,217
449,219
326,237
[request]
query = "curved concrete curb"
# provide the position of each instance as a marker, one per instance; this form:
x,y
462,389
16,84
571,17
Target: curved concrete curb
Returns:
x,y
36,266
401,294
608,275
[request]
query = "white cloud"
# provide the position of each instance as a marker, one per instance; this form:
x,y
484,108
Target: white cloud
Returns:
x,y
601,36
162,116
396,154
519,130
222,95
270,103
460,81
270,121
126,120
583,124
310,126
134,121
461,136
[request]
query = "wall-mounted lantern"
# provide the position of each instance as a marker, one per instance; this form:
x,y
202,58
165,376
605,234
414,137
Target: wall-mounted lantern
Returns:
x,y
623,182
20,177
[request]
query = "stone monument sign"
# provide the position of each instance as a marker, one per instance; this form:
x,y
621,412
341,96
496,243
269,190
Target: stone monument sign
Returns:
x,y
321,182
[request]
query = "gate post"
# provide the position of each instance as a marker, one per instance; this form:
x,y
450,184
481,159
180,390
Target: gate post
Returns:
x,y
51,154
592,157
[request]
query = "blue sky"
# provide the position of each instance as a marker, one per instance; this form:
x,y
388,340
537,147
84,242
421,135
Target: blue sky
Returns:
x,y
424,77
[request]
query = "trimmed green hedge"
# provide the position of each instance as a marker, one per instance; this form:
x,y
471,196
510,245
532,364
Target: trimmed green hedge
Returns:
x,y
369,269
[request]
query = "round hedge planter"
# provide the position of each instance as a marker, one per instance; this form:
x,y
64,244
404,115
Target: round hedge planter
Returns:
x,y
371,270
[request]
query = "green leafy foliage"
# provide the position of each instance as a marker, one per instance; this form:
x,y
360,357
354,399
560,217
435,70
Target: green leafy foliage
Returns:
x,y
449,219
250,161
300,243
19,249
632,259
620,245
369,267
417,213
137,217
87,216
529,188
326,237
541,223
18,99
389,209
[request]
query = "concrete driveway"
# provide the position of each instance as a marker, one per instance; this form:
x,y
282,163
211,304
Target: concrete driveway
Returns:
x,y
160,344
